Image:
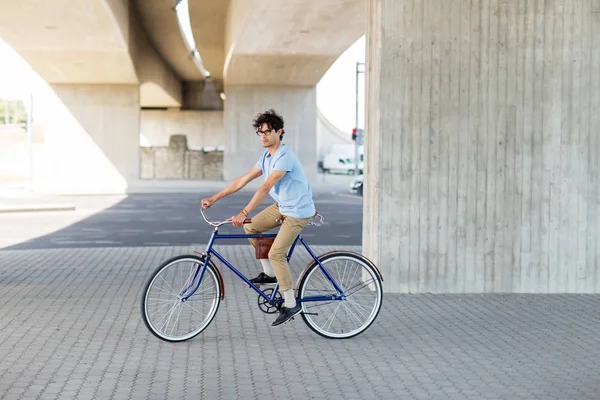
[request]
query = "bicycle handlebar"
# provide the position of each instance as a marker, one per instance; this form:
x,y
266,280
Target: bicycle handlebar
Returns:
x,y
316,221
216,224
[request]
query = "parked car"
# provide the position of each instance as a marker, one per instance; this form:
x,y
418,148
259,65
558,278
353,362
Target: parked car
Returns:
x,y
341,160
356,185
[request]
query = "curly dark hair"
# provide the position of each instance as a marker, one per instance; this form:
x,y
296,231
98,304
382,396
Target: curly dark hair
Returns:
x,y
272,119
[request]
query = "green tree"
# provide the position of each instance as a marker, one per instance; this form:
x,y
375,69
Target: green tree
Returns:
x,y
17,114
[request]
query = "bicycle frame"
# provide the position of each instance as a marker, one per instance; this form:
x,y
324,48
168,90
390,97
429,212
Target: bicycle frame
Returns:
x,y
212,252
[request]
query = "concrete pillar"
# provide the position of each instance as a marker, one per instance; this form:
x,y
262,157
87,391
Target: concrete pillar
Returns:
x,y
482,167
91,135
297,106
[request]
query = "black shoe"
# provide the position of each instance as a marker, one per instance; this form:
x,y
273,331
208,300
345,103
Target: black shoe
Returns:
x,y
286,313
264,279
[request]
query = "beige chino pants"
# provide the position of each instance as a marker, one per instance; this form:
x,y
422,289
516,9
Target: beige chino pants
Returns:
x,y
290,228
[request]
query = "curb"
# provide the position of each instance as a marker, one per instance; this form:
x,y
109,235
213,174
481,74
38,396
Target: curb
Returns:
x,y
37,208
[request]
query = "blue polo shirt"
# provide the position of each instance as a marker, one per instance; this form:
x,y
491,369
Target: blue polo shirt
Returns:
x,y
292,193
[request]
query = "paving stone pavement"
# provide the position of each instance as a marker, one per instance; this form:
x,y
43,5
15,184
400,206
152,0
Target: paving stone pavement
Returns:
x,y
71,329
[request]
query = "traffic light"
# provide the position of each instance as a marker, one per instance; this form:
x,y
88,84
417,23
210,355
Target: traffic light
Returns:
x,y
357,136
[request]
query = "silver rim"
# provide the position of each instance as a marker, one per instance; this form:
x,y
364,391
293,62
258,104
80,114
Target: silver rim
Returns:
x,y
170,317
342,318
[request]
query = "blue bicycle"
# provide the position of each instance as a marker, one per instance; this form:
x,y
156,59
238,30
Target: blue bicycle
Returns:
x,y
340,291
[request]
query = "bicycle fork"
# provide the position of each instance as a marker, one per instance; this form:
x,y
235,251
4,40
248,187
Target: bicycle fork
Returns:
x,y
183,296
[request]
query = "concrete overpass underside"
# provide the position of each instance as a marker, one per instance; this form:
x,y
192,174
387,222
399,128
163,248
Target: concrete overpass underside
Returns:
x,y
101,68
105,59
272,55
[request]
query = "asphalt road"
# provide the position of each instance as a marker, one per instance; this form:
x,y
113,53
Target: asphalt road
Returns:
x,y
164,220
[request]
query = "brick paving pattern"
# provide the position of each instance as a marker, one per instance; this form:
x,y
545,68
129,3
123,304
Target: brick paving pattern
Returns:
x,y
71,329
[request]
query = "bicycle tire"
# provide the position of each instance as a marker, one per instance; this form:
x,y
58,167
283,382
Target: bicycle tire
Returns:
x,y
328,258
211,271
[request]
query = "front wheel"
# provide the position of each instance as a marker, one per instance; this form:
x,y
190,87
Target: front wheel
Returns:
x,y
362,295
168,310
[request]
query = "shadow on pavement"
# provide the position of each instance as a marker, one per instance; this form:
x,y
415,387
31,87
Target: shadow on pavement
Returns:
x,y
142,220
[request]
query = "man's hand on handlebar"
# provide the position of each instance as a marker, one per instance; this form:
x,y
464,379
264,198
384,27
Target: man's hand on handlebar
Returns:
x,y
206,203
238,220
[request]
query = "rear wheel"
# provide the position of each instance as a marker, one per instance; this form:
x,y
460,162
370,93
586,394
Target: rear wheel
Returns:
x,y
166,311
362,295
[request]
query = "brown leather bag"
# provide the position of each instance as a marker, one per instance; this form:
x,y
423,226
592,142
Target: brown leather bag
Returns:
x,y
263,246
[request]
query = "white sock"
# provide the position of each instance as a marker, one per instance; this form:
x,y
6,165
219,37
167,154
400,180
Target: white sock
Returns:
x,y
267,268
290,300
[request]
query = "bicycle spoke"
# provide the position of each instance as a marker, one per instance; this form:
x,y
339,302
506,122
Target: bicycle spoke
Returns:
x,y
357,308
159,322
161,300
323,278
194,308
166,291
352,280
351,315
177,320
314,304
201,291
195,299
364,284
344,274
333,315
168,317
168,284
163,306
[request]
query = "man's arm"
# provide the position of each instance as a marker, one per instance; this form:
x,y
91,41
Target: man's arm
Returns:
x,y
263,190
235,185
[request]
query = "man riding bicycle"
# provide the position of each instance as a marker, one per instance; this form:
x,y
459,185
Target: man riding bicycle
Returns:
x,y
293,209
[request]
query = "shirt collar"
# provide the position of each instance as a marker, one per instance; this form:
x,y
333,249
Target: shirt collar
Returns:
x,y
279,150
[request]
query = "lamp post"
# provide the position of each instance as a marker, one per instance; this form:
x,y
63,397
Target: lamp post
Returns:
x,y
360,69
29,107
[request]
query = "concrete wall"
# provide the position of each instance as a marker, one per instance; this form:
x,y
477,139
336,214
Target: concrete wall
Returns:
x,y
177,161
482,169
202,128
297,105
206,129
91,136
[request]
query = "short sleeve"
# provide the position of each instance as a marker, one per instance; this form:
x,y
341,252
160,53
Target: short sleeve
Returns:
x,y
260,162
284,163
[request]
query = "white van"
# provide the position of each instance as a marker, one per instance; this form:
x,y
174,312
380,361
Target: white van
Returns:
x,y
341,160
